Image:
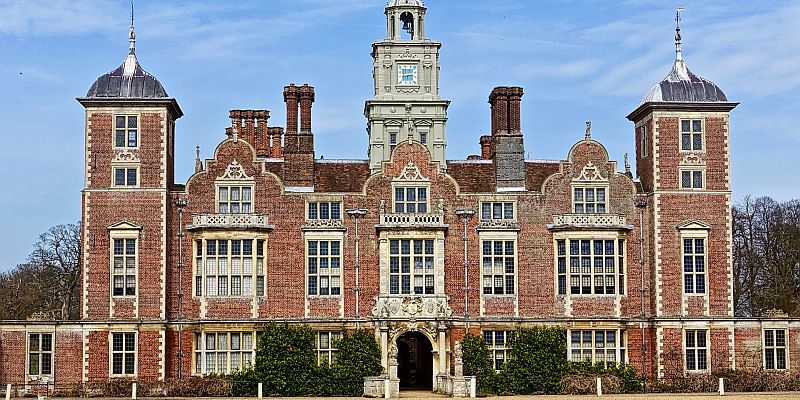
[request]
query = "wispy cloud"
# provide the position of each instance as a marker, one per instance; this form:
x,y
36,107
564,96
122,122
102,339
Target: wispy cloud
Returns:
x,y
53,17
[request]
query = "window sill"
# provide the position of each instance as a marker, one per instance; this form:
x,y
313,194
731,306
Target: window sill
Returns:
x,y
123,296
324,296
499,295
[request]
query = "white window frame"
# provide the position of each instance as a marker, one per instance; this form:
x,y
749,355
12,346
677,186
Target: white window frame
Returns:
x,y
489,210
694,235
405,202
594,203
124,352
126,274
644,142
692,134
489,262
40,352
227,203
314,210
588,347
205,350
126,130
497,342
325,348
413,274
693,172
258,265
333,274
775,347
564,269
694,352
127,168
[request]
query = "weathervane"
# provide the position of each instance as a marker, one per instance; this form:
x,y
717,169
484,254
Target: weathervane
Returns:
x,y
678,53
132,37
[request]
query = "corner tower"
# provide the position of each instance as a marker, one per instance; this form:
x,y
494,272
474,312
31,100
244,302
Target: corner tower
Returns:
x,y
406,105
129,158
683,161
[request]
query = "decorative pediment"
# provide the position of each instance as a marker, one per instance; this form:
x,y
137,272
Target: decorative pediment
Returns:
x,y
124,225
423,122
693,225
235,172
590,173
393,122
410,173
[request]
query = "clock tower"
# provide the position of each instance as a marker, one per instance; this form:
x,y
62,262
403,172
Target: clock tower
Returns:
x,y
406,105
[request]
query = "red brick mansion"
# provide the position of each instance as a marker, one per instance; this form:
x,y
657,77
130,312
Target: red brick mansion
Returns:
x,y
178,277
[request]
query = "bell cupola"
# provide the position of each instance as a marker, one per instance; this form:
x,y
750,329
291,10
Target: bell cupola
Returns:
x,y
406,105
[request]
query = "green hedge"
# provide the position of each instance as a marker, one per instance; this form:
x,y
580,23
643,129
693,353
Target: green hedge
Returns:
x,y
286,364
537,363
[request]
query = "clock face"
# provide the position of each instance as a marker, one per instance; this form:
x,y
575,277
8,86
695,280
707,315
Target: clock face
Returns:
x,y
407,74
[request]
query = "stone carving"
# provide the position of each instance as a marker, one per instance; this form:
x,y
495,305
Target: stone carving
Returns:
x,y
410,173
235,172
125,156
459,353
393,352
498,224
590,173
693,158
411,307
324,223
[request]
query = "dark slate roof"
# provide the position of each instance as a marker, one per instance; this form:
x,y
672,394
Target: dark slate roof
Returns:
x,y
683,86
127,81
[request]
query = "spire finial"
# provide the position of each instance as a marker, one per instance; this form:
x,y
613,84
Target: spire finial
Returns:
x,y
678,52
132,36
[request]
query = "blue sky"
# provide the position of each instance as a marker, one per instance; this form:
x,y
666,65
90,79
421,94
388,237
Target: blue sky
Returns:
x,y
577,61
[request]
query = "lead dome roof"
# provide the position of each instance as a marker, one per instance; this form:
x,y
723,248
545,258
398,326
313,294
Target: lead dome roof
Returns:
x,y
681,85
129,80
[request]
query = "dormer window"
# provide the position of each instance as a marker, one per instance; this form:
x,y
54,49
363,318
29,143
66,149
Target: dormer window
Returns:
x,y
589,200
234,191
590,191
411,190
234,199
411,199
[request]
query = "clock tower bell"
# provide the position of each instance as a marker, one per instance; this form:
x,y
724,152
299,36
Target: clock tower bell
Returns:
x,y
406,105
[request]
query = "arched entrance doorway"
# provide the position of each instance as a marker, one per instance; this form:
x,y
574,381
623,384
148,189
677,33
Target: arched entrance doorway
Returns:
x,y
414,361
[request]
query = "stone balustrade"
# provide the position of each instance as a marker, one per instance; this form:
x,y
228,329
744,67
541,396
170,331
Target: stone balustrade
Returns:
x,y
230,221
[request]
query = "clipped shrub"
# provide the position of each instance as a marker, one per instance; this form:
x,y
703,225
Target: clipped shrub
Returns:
x,y
478,362
537,363
358,355
286,359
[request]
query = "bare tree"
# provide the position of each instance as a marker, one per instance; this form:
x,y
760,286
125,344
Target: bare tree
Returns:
x,y
57,254
766,256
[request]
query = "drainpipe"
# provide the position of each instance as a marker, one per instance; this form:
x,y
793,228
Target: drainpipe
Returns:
x,y
465,215
181,204
356,214
641,204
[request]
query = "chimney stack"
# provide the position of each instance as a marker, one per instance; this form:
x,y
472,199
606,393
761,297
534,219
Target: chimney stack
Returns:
x,y
298,151
505,145
487,147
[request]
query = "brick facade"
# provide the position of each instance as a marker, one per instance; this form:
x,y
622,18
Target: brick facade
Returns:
x,y
644,219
